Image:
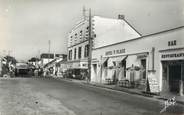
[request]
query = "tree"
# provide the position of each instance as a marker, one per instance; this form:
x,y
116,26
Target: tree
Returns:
x,y
10,59
33,59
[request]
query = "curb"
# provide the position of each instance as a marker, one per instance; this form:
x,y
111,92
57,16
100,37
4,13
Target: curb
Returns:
x,y
165,99
141,93
101,86
122,90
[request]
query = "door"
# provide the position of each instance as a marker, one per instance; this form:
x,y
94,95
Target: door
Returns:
x,y
174,77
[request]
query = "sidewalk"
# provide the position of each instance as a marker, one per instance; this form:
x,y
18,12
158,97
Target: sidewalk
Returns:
x,y
179,99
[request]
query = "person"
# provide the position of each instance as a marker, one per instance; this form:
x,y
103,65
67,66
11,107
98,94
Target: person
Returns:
x,y
56,71
87,76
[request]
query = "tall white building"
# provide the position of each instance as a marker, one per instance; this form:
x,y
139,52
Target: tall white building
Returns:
x,y
78,39
78,48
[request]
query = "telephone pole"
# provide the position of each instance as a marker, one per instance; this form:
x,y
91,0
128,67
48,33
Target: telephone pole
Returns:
x,y
49,51
90,46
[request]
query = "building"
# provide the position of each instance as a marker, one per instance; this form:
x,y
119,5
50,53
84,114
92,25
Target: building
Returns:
x,y
78,49
78,41
54,65
47,57
34,62
151,63
105,62
1,65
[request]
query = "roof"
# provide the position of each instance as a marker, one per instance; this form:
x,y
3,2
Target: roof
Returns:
x,y
47,55
110,31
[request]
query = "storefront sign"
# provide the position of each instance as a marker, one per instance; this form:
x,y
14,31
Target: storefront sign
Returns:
x,y
142,56
114,52
172,43
174,55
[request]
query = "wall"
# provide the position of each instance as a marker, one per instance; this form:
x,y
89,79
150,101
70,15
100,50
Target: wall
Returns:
x,y
82,45
75,37
110,31
145,44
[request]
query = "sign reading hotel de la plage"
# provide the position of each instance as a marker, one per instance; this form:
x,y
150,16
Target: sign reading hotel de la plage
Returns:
x,y
115,52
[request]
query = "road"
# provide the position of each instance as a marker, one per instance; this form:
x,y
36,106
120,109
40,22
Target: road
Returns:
x,y
47,96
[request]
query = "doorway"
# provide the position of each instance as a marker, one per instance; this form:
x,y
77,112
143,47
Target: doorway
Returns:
x,y
174,77
173,73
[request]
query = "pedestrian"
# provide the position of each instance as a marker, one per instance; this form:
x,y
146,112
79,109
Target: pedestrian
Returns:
x,y
87,76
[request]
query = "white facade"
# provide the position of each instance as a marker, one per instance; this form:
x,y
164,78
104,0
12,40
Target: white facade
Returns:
x,y
155,49
45,61
78,34
110,31
78,46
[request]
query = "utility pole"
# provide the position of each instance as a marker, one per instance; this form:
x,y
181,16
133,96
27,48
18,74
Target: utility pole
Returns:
x,y
84,12
90,46
49,51
181,81
49,46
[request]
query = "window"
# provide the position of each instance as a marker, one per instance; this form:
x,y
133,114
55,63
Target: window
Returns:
x,y
143,63
123,65
75,51
70,55
86,50
79,52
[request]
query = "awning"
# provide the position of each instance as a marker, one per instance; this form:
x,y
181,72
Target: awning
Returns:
x,y
105,59
121,58
142,56
114,60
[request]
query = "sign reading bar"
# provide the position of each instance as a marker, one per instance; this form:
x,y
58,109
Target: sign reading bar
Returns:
x,y
114,52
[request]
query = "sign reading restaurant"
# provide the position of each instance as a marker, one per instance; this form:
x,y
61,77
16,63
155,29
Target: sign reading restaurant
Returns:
x,y
114,52
173,55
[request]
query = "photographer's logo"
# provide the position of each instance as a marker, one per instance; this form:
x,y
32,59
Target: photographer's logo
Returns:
x,y
168,103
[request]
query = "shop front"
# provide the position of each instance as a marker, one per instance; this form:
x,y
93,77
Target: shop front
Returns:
x,y
77,69
117,69
172,61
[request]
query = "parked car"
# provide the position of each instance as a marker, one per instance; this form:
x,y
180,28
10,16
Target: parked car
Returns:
x,y
21,69
74,74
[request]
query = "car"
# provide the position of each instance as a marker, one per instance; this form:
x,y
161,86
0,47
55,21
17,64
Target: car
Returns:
x,y
21,69
75,73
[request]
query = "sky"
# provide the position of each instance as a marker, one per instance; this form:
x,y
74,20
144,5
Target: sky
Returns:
x,y
26,26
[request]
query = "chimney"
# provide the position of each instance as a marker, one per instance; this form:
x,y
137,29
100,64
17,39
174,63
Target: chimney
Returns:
x,y
120,16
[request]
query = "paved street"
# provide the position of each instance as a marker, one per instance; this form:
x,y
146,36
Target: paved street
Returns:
x,y
46,96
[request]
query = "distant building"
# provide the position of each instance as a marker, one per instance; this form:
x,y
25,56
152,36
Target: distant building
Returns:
x,y
53,63
1,66
34,62
48,57
3,63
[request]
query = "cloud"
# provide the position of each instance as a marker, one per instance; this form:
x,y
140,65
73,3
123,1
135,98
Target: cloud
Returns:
x,y
29,24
